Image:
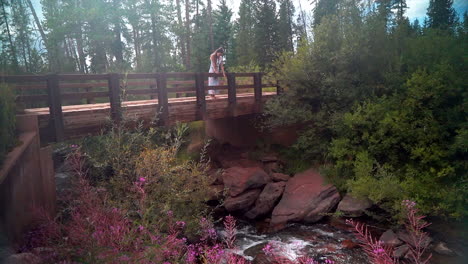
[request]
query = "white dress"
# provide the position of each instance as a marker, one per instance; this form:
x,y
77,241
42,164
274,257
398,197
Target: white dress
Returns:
x,y
214,81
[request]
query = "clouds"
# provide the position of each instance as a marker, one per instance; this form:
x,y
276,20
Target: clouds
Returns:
x,y
417,9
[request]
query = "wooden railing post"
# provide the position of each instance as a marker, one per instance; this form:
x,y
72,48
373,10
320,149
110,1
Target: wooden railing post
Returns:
x,y
231,80
55,107
200,90
162,98
258,90
279,88
115,98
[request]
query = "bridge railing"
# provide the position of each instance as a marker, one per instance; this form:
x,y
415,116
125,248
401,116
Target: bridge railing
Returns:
x,y
54,91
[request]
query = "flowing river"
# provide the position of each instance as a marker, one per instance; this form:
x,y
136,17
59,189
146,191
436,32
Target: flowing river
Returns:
x,y
319,241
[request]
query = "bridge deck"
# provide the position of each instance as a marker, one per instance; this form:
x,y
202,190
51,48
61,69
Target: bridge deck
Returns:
x,y
90,119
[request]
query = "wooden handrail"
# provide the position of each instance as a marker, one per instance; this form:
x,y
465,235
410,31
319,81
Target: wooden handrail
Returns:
x,y
156,85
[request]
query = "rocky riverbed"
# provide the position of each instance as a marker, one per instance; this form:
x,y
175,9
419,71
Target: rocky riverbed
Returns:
x,y
320,241
295,207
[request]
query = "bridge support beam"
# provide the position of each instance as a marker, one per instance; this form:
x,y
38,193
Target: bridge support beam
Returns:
x,y
242,131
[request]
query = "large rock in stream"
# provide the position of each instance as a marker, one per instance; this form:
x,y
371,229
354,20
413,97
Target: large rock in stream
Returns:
x,y
238,179
306,198
354,207
242,202
267,200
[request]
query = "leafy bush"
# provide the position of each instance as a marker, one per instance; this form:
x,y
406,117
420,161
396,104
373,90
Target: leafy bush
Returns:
x,y
409,145
384,108
122,157
7,120
182,187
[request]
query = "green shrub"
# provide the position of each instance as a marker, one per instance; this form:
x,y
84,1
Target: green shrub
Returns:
x,y
7,120
122,158
409,145
180,187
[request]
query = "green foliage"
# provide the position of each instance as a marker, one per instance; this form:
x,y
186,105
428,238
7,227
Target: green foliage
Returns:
x,y
7,121
383,105
114,154
248,67
181,187
266,32
222,26
409,145
245,32
285,25
441,14
121,157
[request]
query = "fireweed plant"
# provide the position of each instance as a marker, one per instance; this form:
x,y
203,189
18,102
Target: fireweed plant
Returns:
x,y
92,230
417,241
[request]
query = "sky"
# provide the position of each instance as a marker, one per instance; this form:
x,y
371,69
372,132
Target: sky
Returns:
x,y
416,8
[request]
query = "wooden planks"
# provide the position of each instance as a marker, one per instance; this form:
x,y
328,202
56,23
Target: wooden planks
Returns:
x,y
83,120
69,121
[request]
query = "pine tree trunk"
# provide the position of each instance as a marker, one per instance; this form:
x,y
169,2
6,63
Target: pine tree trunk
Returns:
x,y
118,50
51,52
210,22
157,65
79,46
187,34
73,52
181,34
136,42
12,47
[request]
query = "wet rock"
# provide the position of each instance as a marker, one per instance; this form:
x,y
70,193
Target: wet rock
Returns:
x,y
59,155
269,158
354,207
389,238
261,258
267,200
23,258
229,162
280,177
442,249
306,198
63,181
404,236
349,244
238,179
400,251
255,250
243,201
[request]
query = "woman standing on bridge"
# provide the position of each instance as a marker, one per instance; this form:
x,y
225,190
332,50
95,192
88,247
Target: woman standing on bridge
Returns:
x,y
216,65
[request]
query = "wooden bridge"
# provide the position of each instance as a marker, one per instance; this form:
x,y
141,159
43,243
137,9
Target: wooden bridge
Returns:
x,y
75,105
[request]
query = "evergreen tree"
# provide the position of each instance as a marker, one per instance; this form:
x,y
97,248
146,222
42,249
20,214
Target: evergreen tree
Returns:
x,y
441,14
286,25
400,6
245,33
416,27
23,33
8,54
201,40
324,8
222,26
266,32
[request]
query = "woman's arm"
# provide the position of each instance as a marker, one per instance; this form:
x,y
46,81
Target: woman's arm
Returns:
x,y
213,62
222,68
